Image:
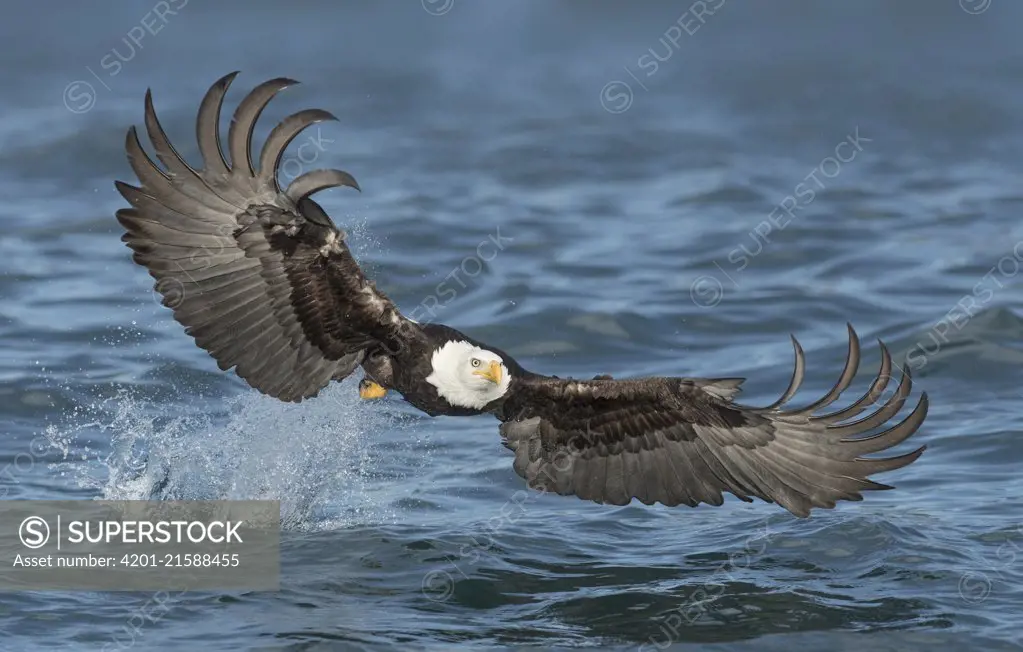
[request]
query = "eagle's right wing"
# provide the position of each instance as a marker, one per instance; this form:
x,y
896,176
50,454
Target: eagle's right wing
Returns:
x,y
259,276
683,441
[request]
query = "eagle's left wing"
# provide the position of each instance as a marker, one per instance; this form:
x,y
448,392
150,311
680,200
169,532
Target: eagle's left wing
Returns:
x,y
259,275
683,441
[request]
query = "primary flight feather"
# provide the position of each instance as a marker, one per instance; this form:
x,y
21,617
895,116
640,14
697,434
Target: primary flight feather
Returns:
x,y
263,280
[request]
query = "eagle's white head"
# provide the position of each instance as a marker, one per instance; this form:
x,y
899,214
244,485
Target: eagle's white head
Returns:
x,y
467,376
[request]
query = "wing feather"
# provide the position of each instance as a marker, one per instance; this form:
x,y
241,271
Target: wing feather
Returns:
x,y
683,441
261,279
617,484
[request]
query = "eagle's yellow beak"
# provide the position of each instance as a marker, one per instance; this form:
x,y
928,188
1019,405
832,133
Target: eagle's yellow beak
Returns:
x,y
492,373
369,390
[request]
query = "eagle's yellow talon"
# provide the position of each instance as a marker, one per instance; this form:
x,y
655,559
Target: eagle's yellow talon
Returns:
x,y
370,390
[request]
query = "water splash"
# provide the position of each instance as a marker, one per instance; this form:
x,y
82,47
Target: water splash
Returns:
x,y
311,456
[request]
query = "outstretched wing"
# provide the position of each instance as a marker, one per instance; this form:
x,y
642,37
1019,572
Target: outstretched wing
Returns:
x,y
682,441
259,276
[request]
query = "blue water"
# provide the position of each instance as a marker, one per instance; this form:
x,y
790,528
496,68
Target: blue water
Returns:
x,y
636,164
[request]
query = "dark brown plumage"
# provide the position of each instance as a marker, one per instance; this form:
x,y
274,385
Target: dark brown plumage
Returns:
x,y
259,276
263,280
683,441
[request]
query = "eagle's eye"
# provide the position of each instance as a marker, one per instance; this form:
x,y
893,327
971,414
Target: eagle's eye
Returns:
x,y
475,362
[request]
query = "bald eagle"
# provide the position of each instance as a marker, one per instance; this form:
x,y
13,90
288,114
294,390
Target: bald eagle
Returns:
x,y
263,280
